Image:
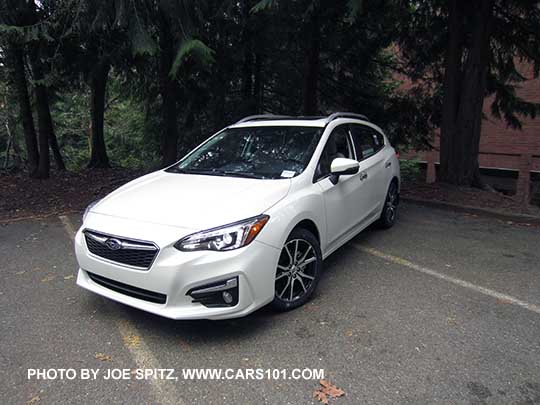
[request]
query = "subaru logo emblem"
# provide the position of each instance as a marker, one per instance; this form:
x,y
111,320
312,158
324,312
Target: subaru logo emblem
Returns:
x,y
113,244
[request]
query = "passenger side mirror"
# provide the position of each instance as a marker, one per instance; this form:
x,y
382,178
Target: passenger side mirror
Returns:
x,y
342,166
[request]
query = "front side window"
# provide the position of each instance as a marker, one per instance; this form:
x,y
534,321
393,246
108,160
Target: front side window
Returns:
x,y
258,152
337,146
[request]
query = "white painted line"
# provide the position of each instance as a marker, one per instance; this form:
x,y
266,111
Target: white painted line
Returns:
x,y
163,390
462,283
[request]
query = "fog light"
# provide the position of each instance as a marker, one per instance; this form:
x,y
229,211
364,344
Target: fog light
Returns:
x,y
227,297
219,294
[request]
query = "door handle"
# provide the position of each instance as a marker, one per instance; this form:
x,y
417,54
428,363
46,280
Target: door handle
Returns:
x,y
363,176
388,164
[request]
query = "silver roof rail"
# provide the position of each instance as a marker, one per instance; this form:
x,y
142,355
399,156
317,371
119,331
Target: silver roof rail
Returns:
x,y
263,117
337,115
330,118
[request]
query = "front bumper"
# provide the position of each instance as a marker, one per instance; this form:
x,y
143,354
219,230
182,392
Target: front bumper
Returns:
x,y
174,274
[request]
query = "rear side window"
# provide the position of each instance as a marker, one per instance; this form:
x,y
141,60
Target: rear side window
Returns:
x,y
366,140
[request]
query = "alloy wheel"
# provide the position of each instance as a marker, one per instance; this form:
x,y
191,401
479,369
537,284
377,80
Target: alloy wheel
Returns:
x,y
391,203
296,270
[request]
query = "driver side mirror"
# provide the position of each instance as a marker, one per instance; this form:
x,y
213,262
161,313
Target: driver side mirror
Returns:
x,y
342,166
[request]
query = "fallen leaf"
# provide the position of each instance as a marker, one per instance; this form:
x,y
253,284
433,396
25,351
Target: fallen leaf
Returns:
x,y
320,396
35,399
349,333
331,389
132,340
103,357
48,278
326,390
185,346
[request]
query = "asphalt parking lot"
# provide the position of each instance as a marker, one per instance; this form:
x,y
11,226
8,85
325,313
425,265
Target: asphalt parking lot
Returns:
x,y
442,308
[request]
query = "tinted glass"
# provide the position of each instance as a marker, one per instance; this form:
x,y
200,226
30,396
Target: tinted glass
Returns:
x,y
366,140
261,152
338,145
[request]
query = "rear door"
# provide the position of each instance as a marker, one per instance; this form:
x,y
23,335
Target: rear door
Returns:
x,y
369,145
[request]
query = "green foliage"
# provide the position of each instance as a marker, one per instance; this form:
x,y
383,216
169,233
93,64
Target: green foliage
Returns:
x,y
28,34
129,144
194,48
410,169
514,47
229,59
262,6
142,43
355,8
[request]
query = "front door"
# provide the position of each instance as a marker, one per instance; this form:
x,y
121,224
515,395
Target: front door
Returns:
x,y
345,202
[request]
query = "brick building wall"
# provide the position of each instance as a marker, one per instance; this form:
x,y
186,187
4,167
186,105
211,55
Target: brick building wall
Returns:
x,y
502,147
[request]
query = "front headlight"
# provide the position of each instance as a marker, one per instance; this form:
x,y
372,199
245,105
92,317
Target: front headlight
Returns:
x,y
227,237
87,210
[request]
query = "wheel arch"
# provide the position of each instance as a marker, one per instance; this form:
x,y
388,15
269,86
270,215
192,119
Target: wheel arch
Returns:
x,y
310,226
395,180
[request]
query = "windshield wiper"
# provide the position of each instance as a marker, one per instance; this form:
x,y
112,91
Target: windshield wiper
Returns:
x,y
194,171
241,174
214,172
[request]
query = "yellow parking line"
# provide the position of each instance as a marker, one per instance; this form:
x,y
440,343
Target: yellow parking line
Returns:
x,y
163,390
68,226
462,283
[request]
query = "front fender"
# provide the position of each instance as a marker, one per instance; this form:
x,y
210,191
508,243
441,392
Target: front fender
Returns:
x,y
288,213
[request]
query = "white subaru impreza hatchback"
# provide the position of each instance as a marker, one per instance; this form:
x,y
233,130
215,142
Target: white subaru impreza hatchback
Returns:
x,y
243,220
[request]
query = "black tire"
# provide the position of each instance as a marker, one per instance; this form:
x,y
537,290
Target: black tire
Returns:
x,y
389,213
294,282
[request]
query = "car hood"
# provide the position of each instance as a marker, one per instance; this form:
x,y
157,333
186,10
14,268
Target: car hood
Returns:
x,y
192,201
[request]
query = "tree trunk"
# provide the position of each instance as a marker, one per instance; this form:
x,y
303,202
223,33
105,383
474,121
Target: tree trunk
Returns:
x,y
247,65
18,75
42,112
464,91
220,95
168,90
53,142
44,117
98,87
311,66
258,85
8,146
451,86
45,123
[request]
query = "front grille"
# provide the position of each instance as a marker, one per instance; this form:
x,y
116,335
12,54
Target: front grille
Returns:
x,y
122,288
129,252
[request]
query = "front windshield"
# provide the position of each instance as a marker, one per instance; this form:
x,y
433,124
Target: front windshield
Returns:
x,y
258,152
